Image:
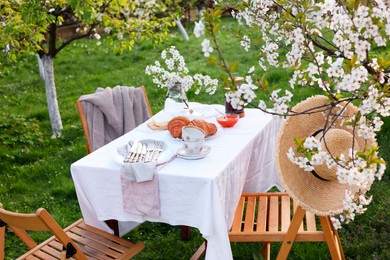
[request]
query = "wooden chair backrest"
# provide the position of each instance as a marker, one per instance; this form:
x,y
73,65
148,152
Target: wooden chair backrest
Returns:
x,y
84,124
39,221
147,101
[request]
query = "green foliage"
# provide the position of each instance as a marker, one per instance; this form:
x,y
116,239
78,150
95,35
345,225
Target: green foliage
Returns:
x,y
16,130
37,26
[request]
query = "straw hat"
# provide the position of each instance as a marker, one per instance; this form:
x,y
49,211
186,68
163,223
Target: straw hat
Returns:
x,y
319,191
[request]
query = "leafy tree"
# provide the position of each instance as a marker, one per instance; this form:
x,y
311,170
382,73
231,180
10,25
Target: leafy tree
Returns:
x,y
33,26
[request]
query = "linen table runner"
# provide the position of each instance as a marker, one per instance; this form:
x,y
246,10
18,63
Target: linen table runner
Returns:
x,y
140,198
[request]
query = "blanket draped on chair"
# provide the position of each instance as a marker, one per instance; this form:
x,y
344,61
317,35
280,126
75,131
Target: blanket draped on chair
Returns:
x,y
112,112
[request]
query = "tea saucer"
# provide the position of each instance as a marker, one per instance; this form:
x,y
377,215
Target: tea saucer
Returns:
x,y
181,153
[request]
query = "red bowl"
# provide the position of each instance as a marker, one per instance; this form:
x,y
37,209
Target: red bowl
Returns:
x,y
228,120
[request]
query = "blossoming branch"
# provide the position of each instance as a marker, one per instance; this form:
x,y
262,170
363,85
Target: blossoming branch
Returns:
x,y
176,72
336,48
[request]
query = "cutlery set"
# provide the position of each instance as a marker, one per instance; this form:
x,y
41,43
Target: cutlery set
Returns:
x,y
144,151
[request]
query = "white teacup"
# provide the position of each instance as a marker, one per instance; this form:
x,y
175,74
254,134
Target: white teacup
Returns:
x,y
193,147
192,134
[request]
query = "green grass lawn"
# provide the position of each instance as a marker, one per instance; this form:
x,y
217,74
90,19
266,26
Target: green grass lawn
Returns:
x,y
35,169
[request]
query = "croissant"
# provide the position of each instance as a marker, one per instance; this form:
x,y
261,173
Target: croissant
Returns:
x,y
176,124
207,127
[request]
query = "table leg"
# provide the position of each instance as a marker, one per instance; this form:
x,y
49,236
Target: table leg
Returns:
x,y
113,224
185,232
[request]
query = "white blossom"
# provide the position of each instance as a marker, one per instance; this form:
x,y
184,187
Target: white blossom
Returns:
x,y
199,29
206,48
247,89
311,143
235,98
262,105
246,43
335,222
99,17
107,30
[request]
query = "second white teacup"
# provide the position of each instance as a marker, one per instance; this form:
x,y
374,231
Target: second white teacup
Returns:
x,y
192,134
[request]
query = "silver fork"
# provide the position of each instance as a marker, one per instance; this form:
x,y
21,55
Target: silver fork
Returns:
x,y
149,152
157,150
154,149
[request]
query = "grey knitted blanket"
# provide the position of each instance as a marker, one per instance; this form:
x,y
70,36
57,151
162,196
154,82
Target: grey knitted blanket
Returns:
x,y
112,112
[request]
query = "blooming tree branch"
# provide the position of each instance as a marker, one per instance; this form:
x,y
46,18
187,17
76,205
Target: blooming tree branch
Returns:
x,y
337,48
176,72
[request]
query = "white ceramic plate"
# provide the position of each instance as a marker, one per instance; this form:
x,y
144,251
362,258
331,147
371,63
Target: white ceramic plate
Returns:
x,y
162,119
219,131
181,153
165,156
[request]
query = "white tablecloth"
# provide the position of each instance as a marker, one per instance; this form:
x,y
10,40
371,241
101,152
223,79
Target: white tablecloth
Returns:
x,y
198,193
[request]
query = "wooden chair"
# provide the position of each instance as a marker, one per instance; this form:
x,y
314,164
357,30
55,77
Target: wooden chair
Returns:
x,y
84,124
274,217
78,241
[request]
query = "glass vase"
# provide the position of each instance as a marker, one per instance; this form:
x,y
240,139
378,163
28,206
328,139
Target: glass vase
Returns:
x,y
176,99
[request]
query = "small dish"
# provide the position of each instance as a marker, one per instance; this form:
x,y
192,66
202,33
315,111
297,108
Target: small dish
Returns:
x,y
181,153
228,120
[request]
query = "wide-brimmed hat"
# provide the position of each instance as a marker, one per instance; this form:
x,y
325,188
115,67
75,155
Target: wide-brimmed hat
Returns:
x,y
318,191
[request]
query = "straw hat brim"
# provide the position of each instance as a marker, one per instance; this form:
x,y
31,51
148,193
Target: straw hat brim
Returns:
x,y
318,196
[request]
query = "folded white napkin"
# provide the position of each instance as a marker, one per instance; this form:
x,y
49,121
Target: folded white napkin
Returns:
x,y
139,171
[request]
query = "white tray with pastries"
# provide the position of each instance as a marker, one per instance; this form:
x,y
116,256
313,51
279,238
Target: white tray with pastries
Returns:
x,y
176,124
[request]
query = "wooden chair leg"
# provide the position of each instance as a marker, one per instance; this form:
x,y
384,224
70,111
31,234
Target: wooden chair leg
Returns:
x,y
266,250
2,240
332,239
200,252
185,232
340,247
331,236
291,233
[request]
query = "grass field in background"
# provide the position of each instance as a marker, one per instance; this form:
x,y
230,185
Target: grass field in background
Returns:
x,y
35,169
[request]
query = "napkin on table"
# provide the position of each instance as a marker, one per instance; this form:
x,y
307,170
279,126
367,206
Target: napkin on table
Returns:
x,y
139,171
139,187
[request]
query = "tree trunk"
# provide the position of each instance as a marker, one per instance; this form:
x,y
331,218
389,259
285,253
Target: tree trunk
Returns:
x,y
51,95
41,68
182,30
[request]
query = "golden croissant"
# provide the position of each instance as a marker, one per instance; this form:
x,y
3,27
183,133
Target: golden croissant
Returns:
x,y
207,127
176,124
